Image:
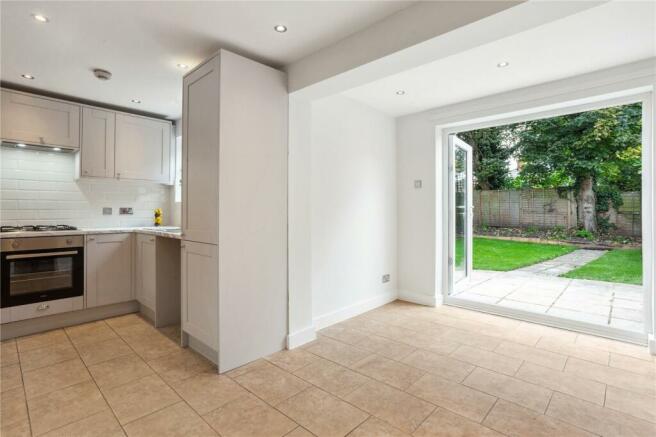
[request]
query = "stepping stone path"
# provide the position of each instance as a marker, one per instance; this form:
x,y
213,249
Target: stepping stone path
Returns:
x,y
565,263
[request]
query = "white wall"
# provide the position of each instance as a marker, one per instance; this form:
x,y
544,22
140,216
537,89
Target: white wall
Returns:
x,y
38,187
353,209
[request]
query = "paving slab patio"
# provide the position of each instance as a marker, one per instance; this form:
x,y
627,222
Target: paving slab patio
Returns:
x,y
565,263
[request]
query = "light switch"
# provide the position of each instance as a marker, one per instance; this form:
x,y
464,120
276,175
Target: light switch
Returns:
x,y
417,183
124,211
107,211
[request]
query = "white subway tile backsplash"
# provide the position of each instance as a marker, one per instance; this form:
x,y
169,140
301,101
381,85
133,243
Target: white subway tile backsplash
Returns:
x,y
38,187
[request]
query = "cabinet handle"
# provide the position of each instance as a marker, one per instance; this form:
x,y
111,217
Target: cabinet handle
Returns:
x,y
86,172
182,246
152,239
91,239
43,307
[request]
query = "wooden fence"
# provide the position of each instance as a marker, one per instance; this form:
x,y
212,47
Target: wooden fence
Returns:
x,y
547,208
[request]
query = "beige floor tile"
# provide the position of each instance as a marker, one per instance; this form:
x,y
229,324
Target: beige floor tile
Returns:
x,y
582,388
612,376
54,377
633,404
254,365
94,353
631,364
272,384
378,428
440,365
44,339
391,372
119,322
17,429
180,365
208,391
440,344
152,346
321,413
397,408
385,347
13,408
568,347
532,355
292,360
249,417
489,360
65,406
8,353
139,398
465,401
596,419
619,347
10,378
516,421
443,423
331,377
93,332
100,424
45,356
178,420
343,334
299,431
511,389
119,371
336,351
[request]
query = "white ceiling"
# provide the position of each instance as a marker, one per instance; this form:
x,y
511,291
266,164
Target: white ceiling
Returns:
x,y
141,42
604,36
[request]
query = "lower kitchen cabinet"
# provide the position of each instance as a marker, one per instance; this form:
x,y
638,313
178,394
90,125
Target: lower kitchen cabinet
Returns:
x,y
200,292
108,269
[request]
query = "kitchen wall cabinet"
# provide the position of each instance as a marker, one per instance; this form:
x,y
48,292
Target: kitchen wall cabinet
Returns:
x,y
143,148
234,210
109,269
36,120
96,157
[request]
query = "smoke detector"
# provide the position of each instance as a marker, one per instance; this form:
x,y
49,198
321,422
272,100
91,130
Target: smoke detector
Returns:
x,y
102,74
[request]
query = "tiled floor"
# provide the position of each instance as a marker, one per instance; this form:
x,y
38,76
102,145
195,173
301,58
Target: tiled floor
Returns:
x,y
602,303
399,370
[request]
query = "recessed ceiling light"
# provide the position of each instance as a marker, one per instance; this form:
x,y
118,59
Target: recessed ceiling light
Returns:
x,y
27,76
503,64
400,92
40,18
20,145
183,66
135,101
281,28
56,149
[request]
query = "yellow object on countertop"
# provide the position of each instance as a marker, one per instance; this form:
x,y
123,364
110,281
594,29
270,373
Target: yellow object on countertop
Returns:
x,y
158,217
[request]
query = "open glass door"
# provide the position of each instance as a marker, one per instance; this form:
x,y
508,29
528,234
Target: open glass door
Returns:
x,y
460,212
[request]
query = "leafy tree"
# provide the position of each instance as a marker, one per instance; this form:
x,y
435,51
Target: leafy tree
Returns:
x,y
491,150
585,151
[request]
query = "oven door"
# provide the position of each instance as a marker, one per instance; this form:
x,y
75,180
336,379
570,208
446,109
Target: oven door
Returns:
x,y
40,275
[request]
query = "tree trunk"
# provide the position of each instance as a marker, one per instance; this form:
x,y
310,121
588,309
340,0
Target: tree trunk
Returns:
x,y
587,204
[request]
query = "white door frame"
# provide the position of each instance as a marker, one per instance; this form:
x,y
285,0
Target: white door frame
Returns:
x,y
642,95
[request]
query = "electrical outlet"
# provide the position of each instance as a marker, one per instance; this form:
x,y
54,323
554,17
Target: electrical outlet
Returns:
x,y
386,278
418,183
107,211
124,211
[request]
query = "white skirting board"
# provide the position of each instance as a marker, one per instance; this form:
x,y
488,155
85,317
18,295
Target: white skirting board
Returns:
x,y
651,343
421,299
299,338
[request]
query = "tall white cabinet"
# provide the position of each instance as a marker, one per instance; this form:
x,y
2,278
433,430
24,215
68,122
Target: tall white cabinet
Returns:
x,y
234,209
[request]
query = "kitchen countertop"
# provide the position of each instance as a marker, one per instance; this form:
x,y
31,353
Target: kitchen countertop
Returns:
x,y
163,231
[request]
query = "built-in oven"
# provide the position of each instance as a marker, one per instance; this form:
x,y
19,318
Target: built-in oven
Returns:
x,y
39,269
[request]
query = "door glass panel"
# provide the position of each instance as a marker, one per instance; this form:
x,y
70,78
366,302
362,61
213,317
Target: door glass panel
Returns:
x,y
35,275
461,201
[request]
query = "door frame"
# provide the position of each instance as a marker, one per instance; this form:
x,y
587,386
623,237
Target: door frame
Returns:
x,y
505,116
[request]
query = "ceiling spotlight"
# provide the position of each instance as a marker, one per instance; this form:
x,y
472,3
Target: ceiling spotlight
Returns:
x,y
400,92
21,145
135,101
56,149
183,66
27,76
280,28
503,64
40,18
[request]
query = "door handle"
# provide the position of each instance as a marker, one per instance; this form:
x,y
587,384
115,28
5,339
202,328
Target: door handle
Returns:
x,y
42,255
43,307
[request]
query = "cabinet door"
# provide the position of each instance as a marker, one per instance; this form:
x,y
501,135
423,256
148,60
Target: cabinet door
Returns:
x,y
146,274
97,148
41,121
200,153
143,148
109,269
200,292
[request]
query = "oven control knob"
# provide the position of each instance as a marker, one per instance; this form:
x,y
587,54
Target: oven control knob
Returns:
x,y
15,244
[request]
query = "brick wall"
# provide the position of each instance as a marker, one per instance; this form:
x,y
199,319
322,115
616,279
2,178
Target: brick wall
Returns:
x,y
38,187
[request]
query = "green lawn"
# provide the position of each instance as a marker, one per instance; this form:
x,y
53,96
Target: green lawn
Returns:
x,y
619,265
505,255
